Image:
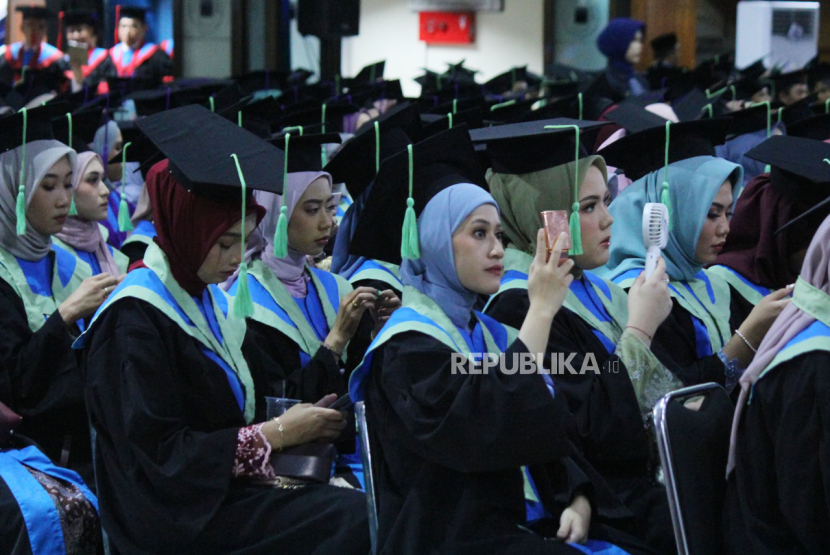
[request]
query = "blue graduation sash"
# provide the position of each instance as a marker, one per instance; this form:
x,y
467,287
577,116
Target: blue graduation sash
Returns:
x,y
376,270
144,232
39,513
748,290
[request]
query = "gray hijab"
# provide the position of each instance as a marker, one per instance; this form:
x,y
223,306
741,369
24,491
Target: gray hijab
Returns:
x,y
40,157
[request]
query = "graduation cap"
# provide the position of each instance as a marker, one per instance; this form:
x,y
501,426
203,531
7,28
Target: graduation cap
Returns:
x,y
304,151
429,80
472,118
820,73
370,73
534,146
379,90
37,82
754,70
38,125
262,80
565,107
506,81
785,81
460,73
333,113
744,88
455,105
436,163
799,110
663,44
74,18
359,159
816,128
558,89
83,123
797,167
598,96
132,12
199,145
695,105
141,150
153,101
35,12
641,153
634,118
126,85
752,119
510,111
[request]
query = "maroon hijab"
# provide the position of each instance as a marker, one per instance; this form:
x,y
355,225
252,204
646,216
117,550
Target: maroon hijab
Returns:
x,y
188,226
752,248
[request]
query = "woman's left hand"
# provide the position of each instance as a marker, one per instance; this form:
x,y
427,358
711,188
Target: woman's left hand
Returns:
x,y
387,303
575,521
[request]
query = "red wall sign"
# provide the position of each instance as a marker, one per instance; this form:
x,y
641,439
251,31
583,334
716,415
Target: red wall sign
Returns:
x,y
448,27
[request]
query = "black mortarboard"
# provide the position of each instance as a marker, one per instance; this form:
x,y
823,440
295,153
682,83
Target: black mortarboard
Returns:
x,y
126,85
305,151
783,81
356,161
641,153
133,12
262,80
471,118
558,89
379,90
815,127
84,125
38,125
798,170
429,80
819,74
370,73
693,105
799,110
460,73
754,70
663,44
752,119
438,162
598,96
533,146
634,118
510,111
456,105
199,145
141,149
80,17
744,88
506,81
153,101
451,91
35,12
334,111
37,82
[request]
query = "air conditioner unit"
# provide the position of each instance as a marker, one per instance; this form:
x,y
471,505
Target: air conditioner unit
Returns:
x,y
784,34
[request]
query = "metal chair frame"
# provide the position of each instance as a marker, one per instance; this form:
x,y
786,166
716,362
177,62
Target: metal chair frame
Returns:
x,y
368,477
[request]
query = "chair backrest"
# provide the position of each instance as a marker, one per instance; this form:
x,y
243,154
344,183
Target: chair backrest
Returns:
x,y
368,476
109,548
694,447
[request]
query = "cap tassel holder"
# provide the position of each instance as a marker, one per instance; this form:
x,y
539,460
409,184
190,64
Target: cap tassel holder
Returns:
x,y
664,195
20,208
409,245
73,210
281,233
574,224
377,147
124,222
243,306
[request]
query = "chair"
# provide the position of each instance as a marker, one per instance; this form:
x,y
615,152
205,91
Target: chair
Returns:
x,y
366,455
109,548
694,448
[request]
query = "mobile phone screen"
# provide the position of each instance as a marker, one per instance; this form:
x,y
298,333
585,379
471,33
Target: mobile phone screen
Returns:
x,y
556,222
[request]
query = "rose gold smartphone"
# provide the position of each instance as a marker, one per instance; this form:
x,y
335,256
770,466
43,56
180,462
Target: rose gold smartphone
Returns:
x,y
556,222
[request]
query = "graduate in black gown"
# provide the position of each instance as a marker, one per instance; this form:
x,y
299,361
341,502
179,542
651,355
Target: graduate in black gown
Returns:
x,y
133,56
534,171
709,336
83,29
465,461
175,392
33,54
778,486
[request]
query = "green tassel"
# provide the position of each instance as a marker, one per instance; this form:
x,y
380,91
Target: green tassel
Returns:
x,y
450,118
575,228
767,168
281,234
21,210
580,106
377,147
73,210
409,244
664,195
243,305
124,223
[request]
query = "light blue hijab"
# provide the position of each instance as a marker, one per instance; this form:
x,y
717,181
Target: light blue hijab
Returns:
x,y
434,273
693,184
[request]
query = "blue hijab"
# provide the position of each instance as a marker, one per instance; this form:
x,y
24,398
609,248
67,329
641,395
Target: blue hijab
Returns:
x,y
434,273
614,40
693,184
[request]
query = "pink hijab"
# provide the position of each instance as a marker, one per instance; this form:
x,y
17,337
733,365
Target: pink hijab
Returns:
x,y
792,321
85,235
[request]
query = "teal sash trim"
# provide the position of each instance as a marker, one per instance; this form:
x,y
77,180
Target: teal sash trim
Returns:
x,y
748,290
275,307
39,514
68,272
378,270
156,286
144,232
706,298
121,260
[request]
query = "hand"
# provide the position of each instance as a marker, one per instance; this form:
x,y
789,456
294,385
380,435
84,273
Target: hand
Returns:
x,y
759,321
649,301
386,303
575,521
305,423
351,310
548,281
86,299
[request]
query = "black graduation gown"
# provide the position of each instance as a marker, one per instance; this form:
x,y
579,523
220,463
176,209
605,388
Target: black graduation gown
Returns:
x,y
155,68
611,431
779,492
104,69
167,424
41,381
134,251
447,449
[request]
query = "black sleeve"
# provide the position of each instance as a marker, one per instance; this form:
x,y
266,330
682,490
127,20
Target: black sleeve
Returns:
x,y
454,419
281,361
7,76
158,66
103,70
